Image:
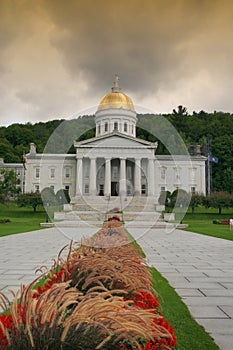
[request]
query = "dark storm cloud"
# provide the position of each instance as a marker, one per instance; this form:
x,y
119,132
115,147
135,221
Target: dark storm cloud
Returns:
x,y
58,57
149,43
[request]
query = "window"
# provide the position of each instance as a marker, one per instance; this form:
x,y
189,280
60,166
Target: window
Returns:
x,y
193,190
163,189
52,173
101,191
52,187
37,173
86,188
67,187
98,129
37,188
115,125
125,127
67,172
106,127
132,130
143,189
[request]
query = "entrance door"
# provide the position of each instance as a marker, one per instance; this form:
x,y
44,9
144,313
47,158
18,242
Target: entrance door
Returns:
x,y
114,188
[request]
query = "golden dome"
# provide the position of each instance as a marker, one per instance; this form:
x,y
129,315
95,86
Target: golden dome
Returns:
x,y
116,99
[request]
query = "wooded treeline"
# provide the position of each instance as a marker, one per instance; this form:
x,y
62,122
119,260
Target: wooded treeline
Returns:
x,y
57,136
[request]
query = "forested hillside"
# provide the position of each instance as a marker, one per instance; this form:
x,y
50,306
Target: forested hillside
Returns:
x,y
197,128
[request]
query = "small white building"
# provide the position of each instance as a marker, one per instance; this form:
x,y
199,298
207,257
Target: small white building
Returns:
x,y
18,168
115,162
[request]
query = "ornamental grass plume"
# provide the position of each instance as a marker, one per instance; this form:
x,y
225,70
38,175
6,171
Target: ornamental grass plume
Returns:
x,y
63,318
115,321
34,321
117,267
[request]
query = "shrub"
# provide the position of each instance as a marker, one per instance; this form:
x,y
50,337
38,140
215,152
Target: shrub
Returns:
x,y
4,221
216,221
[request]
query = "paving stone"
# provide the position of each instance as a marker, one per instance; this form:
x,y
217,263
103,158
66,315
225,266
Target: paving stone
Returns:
x,y
196,285
205,301
217,292
206,312
189,292
223,326
2,285
224,342
228,310
228,285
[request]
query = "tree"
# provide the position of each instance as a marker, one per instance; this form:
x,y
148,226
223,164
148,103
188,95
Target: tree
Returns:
x,y
179,199
218,200
9,185
196,200
32,199
62,197
164,198
48,196
180,111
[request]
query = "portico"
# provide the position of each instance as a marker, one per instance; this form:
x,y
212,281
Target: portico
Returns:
x,y
114,176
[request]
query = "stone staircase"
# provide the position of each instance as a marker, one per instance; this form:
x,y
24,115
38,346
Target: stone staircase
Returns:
x,y
92,211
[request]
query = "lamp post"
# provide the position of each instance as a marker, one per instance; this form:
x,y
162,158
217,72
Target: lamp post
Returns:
x,y
47,215
181,206
60,203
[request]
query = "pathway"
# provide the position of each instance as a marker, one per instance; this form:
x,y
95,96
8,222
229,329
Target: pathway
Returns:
x,y
198,267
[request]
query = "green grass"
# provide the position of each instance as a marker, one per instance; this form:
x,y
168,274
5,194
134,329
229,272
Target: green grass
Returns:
x,y
202,222
21,219
190,335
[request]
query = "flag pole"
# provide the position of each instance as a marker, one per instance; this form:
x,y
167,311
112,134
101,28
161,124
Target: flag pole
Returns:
x,y
208,174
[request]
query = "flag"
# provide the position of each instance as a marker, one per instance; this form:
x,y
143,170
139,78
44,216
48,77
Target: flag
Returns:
x,y
213,159
25,160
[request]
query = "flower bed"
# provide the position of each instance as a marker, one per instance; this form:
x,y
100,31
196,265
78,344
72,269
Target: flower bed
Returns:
x,y
219,222
99,297
114,218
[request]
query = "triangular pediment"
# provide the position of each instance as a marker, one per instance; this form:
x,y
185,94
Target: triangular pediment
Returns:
x,y
115,139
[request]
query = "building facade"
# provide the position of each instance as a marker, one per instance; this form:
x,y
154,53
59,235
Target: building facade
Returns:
x,y
115,162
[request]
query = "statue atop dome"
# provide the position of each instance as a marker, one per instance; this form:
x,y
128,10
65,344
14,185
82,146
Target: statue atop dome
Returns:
x,y
116,87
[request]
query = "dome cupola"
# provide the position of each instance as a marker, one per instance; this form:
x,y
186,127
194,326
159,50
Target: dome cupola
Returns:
x,y
116,113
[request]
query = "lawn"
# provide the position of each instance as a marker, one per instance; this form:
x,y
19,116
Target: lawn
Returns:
x,y
202,222
21,219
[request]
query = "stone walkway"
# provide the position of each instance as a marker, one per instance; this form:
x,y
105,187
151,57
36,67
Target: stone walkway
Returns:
x,y
200,268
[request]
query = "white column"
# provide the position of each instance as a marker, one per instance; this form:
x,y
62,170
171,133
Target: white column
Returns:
x,y
151,177
123,177
137,177
92,177
79,177
107,180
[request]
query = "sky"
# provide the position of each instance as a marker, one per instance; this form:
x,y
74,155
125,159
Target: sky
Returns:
x,y
58,58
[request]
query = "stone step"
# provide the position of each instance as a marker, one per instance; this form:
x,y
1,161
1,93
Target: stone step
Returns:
x,y
101,216
129,206
127,225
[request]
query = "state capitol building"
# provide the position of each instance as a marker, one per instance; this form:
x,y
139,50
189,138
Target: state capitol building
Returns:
x,y
114,162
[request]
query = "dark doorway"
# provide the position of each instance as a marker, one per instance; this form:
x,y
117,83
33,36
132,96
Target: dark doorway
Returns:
x,y
114,188
101,191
